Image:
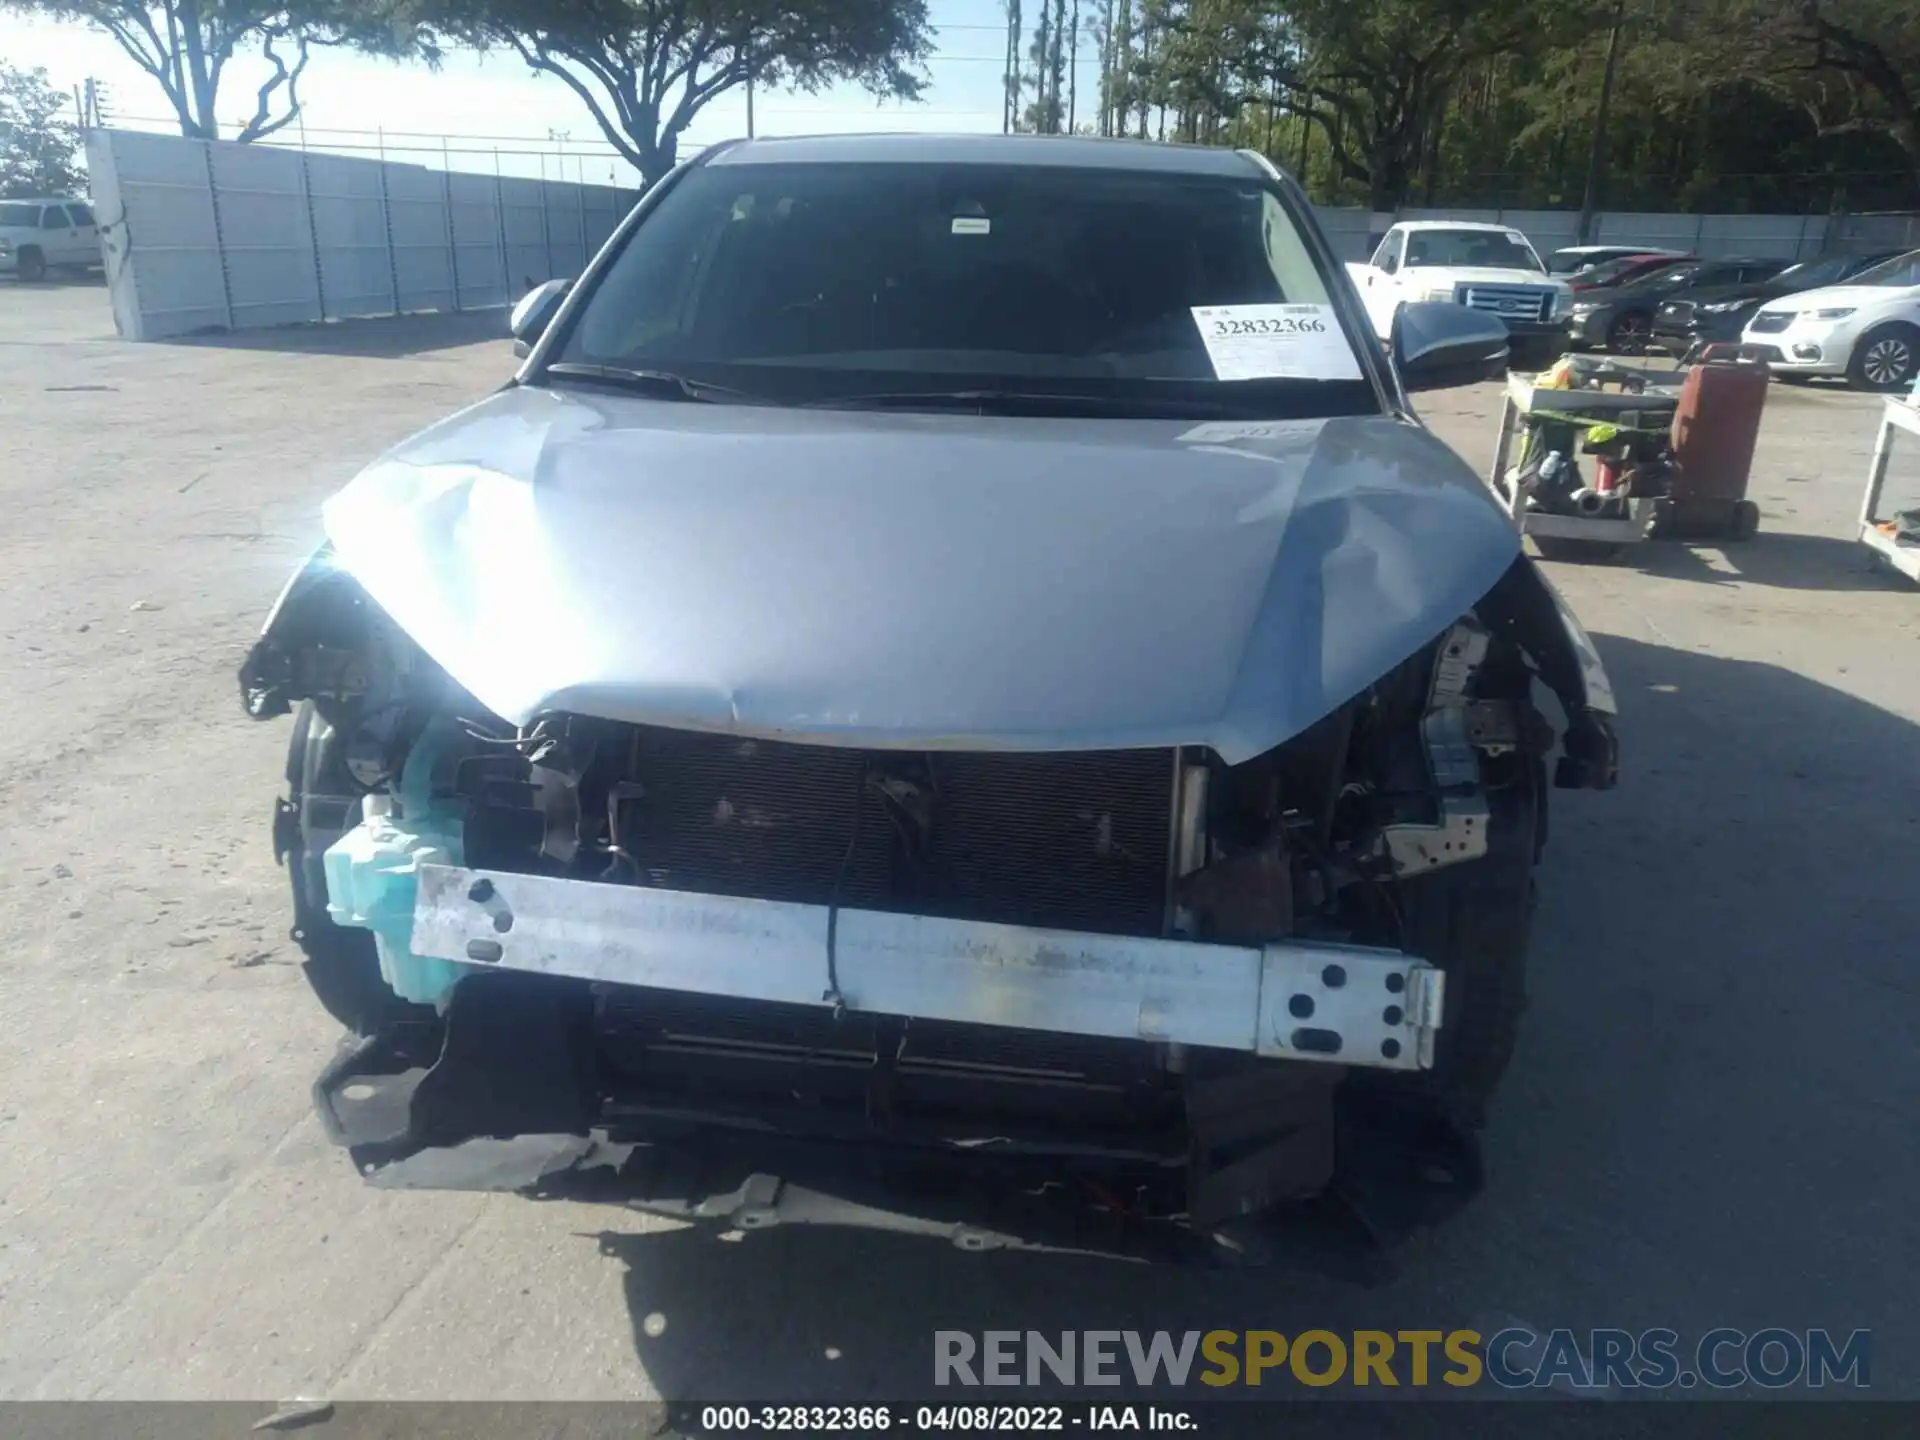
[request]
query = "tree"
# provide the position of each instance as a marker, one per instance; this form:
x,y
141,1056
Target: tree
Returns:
x,y
1852,65
1377,74
36,146
186,46
645,68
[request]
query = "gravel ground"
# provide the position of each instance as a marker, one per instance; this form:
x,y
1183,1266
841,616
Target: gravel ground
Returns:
x,y
1709,1121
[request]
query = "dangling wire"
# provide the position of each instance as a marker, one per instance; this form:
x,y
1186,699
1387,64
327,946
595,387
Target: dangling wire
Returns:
x,y
832,996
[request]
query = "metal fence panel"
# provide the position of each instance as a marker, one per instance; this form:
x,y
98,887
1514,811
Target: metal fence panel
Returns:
x,y
154,201
479,264
523,225
603,210
350,231
203,236
1863,233
1347,229
566,229
266,235
422,243
220,236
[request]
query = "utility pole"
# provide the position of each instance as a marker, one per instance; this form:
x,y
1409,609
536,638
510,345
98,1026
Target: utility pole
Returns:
x,y
749,107
1597,154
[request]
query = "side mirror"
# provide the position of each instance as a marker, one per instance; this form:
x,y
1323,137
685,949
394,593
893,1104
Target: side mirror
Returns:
x,y
1390,264
1436,344
534,312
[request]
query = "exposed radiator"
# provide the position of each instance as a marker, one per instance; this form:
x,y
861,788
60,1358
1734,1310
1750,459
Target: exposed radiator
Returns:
x,y
1073,841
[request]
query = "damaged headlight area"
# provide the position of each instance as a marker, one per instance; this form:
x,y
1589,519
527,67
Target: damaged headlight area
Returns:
x,y
1136,1002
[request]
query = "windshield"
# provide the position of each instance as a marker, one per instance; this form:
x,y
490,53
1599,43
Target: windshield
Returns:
x,y
1897,273
1574,262
1809,273
1682,275
1627,265
1497,249
810,282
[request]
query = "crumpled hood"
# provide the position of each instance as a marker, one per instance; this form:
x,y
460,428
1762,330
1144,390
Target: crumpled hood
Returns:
x,y
923,581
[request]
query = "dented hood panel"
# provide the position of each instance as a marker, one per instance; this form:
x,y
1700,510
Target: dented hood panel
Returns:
x,y
924,581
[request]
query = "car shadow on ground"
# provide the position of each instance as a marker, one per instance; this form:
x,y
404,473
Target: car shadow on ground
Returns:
x,y
387,337
1784,561
1719,1012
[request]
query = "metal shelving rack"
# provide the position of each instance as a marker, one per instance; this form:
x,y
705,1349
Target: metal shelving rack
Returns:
x,y
1897,415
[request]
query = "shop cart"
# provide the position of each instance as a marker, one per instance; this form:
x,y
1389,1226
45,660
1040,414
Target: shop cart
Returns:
x,y
1883,536
1617,419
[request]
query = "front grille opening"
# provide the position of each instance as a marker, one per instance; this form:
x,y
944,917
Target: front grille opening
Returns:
x,y
1067,841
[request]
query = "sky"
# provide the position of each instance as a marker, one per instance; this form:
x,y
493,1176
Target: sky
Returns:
x,y
497,98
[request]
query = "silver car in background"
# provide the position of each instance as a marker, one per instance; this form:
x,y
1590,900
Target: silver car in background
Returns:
x,y
950,692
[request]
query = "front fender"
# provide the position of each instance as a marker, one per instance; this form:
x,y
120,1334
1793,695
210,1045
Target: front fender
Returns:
x,y
310,640
1525,606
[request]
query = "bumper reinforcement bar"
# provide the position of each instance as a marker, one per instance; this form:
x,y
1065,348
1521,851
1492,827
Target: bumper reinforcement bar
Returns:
x,y
1342,1004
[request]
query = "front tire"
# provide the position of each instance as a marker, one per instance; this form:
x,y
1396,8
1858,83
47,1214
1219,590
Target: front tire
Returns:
x,y
1886,359
1475,922
342,965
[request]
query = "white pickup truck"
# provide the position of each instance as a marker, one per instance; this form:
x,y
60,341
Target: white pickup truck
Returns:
x,y
1487,267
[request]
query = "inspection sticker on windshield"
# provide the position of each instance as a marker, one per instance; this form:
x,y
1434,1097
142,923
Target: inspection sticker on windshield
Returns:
x,y
1289,342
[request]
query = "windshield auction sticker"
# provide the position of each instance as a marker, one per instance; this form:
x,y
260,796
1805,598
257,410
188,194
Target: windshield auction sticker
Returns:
x,y
1267,342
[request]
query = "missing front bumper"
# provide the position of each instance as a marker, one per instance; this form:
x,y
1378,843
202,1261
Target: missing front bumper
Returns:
x,y
1269,1162
1298,1001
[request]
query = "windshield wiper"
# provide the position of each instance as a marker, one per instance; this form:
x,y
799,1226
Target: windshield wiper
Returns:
x,y
1018,402
662,383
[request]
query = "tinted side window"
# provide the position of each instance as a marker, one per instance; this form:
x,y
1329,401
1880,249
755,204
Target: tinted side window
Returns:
x,y
82,215
55,218
19,214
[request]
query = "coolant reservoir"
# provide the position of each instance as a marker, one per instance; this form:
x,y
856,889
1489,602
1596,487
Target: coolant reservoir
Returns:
x,y
373,876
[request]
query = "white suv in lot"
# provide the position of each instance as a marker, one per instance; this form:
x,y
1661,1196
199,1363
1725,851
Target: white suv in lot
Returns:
x,y
1867,329
41,235
1493,268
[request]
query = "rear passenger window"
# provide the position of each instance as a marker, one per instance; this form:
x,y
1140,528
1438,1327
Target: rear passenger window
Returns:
x,y
54,218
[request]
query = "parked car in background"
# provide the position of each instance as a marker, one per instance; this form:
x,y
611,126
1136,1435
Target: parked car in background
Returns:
x,y
37,236
1626,270
1707,314
1867,329
1621,319
1575,258
1493,268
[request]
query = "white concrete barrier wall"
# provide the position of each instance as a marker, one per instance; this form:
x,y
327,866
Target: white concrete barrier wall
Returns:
x,y
215,236
221,236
